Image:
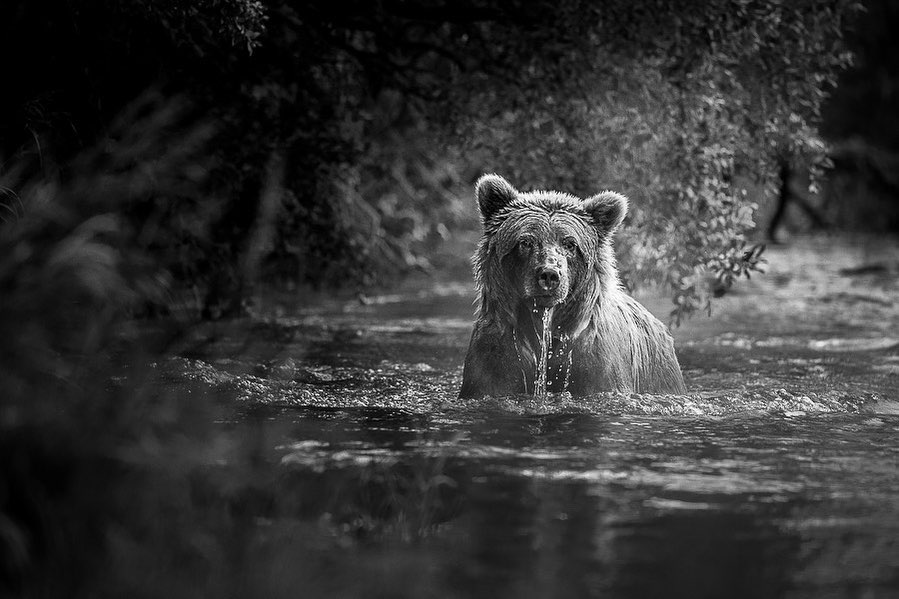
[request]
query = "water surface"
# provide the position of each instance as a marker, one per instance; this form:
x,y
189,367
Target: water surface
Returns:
x,y
776,475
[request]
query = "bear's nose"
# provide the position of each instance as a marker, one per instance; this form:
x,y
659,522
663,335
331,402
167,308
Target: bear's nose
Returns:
x,y
548,279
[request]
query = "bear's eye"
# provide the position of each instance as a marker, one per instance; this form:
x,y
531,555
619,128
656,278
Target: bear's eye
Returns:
x,y
569,245
525,244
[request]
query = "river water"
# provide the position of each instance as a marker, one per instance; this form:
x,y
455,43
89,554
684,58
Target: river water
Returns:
x,y
777,475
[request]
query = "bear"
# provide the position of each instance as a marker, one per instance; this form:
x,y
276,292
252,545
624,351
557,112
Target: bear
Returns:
x,y
547,255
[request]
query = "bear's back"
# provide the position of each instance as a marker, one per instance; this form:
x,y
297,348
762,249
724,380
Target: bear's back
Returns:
x,y
633,348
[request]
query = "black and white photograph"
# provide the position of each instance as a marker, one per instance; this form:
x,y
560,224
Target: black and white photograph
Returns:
x,y
448,299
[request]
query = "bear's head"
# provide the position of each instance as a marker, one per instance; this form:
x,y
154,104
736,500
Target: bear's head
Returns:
x,y
545,249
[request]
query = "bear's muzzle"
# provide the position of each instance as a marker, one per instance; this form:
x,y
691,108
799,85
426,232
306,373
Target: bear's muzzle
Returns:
x,y
548,283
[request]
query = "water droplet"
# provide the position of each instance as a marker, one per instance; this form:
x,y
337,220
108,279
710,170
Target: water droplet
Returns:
x,y
545,341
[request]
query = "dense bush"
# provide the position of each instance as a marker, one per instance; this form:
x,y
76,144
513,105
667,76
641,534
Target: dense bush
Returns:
x,y
382,114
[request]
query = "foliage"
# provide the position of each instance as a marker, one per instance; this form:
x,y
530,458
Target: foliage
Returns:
x,y
73,260
112,484
690,103
673,102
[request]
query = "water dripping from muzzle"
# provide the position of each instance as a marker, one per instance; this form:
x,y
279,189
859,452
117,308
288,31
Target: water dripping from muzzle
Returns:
x,y
544,335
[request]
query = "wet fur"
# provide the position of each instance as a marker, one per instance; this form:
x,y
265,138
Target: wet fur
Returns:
x,y
616,344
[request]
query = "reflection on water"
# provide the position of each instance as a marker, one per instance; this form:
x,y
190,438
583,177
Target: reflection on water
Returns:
x,y
776,475
605,505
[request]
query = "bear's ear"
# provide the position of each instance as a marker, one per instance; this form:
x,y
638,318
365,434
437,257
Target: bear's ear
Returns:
x,y
607,210
493,193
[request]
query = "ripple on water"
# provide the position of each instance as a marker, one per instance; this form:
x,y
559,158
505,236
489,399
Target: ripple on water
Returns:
x,y
419,388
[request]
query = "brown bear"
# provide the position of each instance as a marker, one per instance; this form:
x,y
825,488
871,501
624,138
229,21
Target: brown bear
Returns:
x,y
547,256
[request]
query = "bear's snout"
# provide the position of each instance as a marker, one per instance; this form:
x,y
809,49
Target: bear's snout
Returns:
x,y
548,278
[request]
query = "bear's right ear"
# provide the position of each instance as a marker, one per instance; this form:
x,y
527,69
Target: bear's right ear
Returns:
x,y
493,193
607,210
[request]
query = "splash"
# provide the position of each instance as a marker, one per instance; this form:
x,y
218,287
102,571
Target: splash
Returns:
x,y
545,337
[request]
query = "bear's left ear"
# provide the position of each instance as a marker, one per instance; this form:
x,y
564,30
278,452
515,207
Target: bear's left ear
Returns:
x,y
607,210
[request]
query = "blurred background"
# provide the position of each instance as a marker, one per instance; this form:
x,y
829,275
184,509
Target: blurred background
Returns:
x,y
164,165
335,144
